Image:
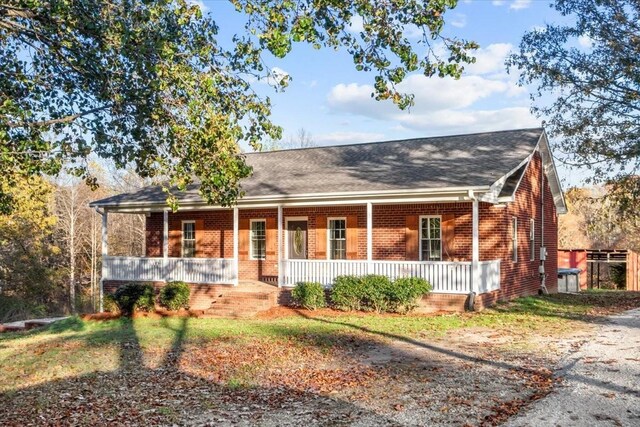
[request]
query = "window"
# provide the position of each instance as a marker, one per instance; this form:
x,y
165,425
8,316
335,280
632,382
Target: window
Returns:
x,y
430,238
514,239
532,239
258,239
188,239
337,238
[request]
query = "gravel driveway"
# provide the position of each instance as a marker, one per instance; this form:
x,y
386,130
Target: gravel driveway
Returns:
x,y
602,381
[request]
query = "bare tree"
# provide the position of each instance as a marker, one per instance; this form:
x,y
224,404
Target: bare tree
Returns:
x,y
302,139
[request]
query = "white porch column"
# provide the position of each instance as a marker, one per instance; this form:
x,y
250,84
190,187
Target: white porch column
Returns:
x,y
236,224
475,248
280,264
165,245
369,238
105,254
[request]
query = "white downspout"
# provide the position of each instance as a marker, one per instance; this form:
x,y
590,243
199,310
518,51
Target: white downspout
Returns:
x,y
543,250
280,239
369,238
475,249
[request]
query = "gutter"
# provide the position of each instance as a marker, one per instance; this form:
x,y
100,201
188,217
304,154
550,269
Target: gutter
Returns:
x,y
411,196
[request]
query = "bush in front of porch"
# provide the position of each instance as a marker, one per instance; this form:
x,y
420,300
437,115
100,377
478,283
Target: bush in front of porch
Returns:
x,y
175,295
309,295
378,293
134,296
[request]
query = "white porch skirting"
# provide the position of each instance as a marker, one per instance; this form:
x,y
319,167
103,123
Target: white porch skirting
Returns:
x,y
444,276
191,270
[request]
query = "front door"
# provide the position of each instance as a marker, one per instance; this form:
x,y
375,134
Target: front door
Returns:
x,y
297,239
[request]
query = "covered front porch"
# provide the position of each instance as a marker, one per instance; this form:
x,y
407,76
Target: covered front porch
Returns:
x,y
453,277
378,238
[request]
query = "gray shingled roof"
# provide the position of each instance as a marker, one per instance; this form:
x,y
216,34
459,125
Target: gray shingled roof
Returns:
x,y
473,160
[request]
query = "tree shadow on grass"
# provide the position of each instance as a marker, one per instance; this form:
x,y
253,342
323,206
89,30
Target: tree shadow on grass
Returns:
x,y
136,394
455,354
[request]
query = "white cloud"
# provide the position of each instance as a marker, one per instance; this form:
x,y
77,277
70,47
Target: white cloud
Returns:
x,y
431,94
444,105
585,41
459,21
203,7
449,121
514,5
520,4
490,59
337,138
357,24
274,77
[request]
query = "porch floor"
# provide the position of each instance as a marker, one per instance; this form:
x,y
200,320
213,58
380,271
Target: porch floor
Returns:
x,y
254,286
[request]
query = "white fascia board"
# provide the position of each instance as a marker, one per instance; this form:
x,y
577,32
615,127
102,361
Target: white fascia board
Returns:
x,y
449,198
552,174
451,194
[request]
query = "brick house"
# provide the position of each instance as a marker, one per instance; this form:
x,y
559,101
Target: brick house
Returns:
x,y
474,214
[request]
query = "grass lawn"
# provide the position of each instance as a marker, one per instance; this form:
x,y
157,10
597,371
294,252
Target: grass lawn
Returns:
x,y
195,371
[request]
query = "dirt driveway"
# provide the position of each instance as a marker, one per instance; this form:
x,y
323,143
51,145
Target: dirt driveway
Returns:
x,y
601,384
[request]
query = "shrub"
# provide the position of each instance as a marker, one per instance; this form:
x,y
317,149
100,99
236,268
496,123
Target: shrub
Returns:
x,y
377,293
403,294
347,293
374,292
109,304
134,296
618,274
175,295
309,295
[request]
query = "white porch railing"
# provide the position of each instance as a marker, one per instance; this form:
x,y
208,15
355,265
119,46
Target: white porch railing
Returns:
x,y
444,276
190,270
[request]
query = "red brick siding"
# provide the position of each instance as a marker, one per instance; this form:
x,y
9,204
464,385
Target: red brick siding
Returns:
x,y
331,212
389,228
521,278
217,237
253,269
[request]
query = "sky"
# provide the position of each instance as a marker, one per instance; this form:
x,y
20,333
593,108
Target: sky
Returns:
x,y
332,101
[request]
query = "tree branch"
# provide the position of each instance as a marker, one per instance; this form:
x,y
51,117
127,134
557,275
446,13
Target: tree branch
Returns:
x,y
67,119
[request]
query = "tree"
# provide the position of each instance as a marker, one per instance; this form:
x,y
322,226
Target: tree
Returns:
x,y
587,75
150,83
596,220
303,139
28,254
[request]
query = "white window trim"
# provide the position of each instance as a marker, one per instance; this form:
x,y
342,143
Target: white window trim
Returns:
x,y
195,241
334,218
514,239
420,233
532,239
285,232
251,221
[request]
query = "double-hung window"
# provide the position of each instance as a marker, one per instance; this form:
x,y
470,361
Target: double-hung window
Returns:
x,y
532,239
258,239
430,238
188,239
337,238
514,239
